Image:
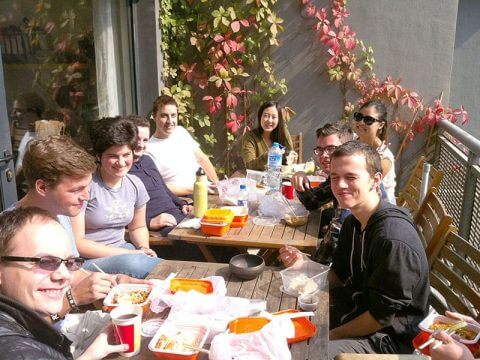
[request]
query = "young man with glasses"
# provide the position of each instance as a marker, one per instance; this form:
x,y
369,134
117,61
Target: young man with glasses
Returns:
x,y
329,138
58,173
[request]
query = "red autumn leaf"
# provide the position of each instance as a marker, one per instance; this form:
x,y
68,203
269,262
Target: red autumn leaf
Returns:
x,y
232,126
235,25
232,100
218,38
245,22
462,114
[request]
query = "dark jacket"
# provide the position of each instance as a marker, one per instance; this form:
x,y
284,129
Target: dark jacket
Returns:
x,y
25,335
162,200
386,272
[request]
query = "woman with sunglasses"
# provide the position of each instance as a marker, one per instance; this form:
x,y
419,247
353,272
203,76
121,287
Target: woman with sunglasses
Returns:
x,y
117,200
36,266
271,128
370,124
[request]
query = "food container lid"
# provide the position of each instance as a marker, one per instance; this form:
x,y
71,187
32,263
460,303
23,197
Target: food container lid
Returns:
x,y
181,284
218,215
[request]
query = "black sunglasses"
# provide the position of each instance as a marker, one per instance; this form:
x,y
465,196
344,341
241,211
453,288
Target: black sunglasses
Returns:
x,y
367,119
49,262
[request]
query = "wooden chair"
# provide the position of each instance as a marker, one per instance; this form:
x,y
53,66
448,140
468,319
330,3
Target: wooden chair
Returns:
x,y
455,275
432,220
297,141
409,196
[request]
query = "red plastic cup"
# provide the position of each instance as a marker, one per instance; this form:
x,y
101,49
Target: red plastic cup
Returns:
x,y
288,190
127,325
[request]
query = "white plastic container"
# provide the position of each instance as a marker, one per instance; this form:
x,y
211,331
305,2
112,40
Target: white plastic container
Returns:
x,y
195,335
436,318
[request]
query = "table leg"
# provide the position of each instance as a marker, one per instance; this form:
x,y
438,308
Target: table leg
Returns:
x,y
206,253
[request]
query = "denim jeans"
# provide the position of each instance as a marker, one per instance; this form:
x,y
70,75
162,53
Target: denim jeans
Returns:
x,y
135,265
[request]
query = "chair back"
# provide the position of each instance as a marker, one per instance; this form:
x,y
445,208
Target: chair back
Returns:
x,y
432,220
410,194
455,275
297,141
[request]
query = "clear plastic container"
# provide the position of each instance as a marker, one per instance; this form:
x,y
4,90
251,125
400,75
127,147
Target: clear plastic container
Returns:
x,y
305,278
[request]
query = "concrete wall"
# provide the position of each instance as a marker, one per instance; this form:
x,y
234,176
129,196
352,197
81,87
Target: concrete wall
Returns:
x,y
412,39
465,81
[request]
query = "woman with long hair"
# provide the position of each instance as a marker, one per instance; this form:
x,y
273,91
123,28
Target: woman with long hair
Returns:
x,y
271,128
370,124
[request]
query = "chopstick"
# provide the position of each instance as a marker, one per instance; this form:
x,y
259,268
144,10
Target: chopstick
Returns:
x,y
199,349
98,268
450,330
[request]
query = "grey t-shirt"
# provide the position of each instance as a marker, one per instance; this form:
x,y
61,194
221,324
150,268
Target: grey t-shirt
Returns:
x,y
109,210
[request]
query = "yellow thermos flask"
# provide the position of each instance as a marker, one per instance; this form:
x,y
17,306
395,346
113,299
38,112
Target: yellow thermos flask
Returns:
x,y
200,194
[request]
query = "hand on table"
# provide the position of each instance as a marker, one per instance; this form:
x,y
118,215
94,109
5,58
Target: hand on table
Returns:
x,y
100,347
187,209
125,279
93,287
162,220
290,255
300,181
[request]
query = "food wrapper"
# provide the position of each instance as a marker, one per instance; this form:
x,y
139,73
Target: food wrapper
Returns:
x,y
82,329
274,204
215,311
228,190
163,297
269,343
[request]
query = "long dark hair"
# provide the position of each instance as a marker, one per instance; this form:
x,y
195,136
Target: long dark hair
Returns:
x,y
278,134
382,113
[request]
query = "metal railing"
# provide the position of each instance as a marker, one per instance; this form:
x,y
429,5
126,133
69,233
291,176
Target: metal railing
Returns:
x,y
457,153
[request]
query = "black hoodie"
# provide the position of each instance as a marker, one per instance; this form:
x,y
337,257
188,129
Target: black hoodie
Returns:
x,y
25,335
386,271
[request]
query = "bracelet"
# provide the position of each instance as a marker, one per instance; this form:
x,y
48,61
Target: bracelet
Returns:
x,y
70,299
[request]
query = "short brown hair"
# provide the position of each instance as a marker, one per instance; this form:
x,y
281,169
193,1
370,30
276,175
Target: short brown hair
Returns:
x,y
163,100
355,147
50,158
113,131
12,221
139,121
339,128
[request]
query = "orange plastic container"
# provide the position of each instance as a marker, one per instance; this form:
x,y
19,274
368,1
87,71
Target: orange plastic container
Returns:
x,y
180,284
304,328
240,216
218,215
216,222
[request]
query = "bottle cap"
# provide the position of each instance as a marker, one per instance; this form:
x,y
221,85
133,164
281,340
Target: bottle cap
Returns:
x,y
200,172
243,187
275,144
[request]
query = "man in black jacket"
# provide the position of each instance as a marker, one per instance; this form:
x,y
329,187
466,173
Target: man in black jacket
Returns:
x,y
379,277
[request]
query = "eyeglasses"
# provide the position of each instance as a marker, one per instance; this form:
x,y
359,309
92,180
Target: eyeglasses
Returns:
x,y
50,263
328,150
367,119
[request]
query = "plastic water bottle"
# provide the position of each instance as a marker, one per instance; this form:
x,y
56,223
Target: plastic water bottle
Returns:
x,y
243,196
274,167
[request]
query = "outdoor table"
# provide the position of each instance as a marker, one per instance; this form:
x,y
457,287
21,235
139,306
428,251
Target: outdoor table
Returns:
x,y
255,236
266,286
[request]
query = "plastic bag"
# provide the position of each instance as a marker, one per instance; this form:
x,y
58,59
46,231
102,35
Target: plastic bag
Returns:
x,y
274,204
228,190
269,343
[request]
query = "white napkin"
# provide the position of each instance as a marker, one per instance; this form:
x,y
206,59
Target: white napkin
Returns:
x,y
193,223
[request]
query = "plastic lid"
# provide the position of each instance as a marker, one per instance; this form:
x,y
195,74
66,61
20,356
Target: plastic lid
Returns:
x,y
243,187
275,144
200,172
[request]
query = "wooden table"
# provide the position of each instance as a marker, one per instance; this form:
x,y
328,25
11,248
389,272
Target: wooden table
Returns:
x,y
254,236
267,287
